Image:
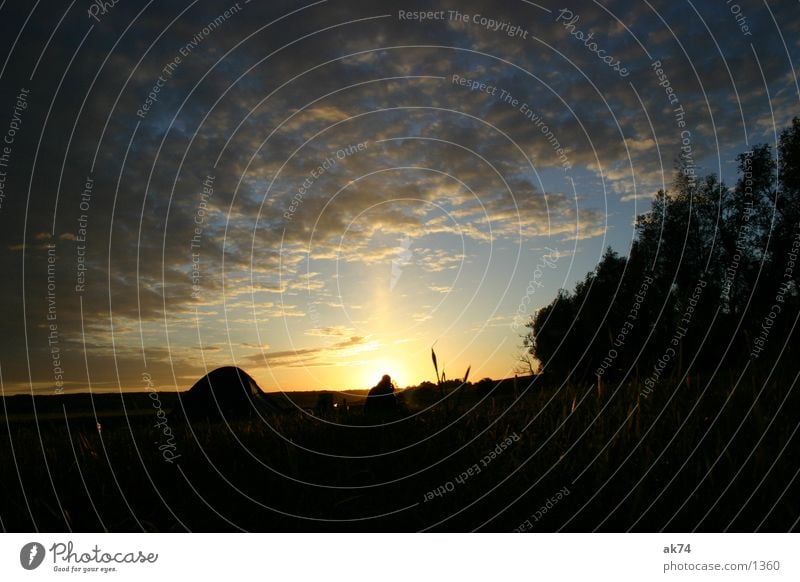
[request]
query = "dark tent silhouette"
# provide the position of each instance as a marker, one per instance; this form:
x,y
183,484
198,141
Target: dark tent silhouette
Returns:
x,y
227,392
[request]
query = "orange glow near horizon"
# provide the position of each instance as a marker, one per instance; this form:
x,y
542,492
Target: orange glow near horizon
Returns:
x,y
357,375
373,370
408,364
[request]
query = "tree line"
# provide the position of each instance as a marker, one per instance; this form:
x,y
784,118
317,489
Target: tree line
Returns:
x,y
711,281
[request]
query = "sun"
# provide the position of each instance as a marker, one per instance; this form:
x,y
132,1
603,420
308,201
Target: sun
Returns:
x,y
374,370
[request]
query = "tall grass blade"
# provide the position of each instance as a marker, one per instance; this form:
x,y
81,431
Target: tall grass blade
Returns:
x,y
435,365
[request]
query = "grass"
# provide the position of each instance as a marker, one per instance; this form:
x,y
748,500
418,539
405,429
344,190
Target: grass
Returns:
x,y
689,457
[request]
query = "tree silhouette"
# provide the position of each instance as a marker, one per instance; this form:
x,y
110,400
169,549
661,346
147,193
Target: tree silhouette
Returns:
x,y
708,265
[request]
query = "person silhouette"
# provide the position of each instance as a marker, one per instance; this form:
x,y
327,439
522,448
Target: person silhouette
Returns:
x,y
381,398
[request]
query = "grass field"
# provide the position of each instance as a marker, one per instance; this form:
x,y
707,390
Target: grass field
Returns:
x,y
707,457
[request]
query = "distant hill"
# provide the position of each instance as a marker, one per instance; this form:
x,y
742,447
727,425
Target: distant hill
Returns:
x,y
24,407
140,405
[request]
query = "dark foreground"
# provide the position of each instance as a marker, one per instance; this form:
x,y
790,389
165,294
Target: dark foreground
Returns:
x,y
718,457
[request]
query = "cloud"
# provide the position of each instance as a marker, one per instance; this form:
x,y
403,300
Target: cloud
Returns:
x,y
259,107
332,331
317,356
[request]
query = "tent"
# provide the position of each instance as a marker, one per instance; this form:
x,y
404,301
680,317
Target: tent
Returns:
x,y
229,393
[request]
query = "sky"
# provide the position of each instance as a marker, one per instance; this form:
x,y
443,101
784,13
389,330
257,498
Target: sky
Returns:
x,y
319,192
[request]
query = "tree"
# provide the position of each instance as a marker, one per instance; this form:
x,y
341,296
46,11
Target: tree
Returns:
x,y
716,257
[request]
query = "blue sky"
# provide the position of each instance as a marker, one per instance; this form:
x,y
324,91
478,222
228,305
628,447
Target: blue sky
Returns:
x,y
322,263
